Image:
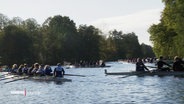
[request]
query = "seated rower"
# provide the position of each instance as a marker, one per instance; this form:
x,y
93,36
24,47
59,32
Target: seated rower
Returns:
x,y
35,69
25,69
40,71
48,70
14,68
29,72
59,71
161,63
140,65
19,71
178,64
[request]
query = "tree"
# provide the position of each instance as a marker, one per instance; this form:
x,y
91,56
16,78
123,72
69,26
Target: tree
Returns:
x,y
89,43
60,38
17,21
167,36
126,45
173,18
4,21
147,51
162,39
33,30
15,45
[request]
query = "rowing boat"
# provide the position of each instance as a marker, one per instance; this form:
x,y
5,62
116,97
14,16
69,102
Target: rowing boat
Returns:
x,y
159,73
49,78
39,78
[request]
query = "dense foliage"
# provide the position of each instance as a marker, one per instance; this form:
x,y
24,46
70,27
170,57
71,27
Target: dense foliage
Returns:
x,y
58,39
168,35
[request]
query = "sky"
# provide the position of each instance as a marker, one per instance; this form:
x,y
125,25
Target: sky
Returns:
x,y
123,15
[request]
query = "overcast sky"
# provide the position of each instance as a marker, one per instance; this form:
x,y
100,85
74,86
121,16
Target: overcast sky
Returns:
x,y
124,15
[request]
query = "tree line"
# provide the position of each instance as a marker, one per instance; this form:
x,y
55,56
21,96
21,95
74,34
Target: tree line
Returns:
x,y
58,39
168,35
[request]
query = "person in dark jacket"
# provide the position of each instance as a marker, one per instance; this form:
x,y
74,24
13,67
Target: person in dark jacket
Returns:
x,y
161,63
25,69
47,70
140,65
19,71
178,64
29,72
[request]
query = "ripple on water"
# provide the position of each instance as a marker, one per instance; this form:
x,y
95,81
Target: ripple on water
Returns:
x,y
96,88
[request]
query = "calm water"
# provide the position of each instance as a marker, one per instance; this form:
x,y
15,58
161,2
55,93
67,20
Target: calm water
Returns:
x,y
96,88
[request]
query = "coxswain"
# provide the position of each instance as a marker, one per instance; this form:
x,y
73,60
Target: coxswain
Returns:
x,y
59,71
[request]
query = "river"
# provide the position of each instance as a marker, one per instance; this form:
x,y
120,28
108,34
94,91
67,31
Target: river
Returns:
x,y
96,88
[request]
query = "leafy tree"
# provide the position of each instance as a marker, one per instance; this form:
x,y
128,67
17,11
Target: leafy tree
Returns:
x,y
17,21
60,38
15,45
89,43
167,36
33,31
126,45
162,39
4,21
173,18
147,51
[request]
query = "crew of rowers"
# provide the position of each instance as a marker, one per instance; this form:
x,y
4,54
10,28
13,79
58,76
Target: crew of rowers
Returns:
x,y
178,65
38,70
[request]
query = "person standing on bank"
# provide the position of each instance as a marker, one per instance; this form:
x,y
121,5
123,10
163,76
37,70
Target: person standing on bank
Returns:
x,y
140,65
59,71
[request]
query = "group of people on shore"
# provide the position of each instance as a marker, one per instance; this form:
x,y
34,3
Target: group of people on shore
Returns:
x,y
178,65
38,70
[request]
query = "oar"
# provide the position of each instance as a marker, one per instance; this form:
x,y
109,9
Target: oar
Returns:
x,y
152,66
9,77
16,79
75,75
3,75
138,73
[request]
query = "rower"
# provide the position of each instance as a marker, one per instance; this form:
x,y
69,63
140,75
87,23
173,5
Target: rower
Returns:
x,y
48,70
161,63
25,69
59,71
19,71
40,71
29,72
14,68
178,64
35,69
140,65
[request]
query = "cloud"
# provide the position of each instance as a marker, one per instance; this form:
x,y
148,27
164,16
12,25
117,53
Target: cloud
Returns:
x,y
137,22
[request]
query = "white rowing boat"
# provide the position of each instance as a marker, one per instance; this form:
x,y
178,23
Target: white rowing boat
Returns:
x,y
38,78
159,73
49,78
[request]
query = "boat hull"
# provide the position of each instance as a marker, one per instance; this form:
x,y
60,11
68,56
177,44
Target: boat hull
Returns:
x,y
38,78
160,73
50,78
